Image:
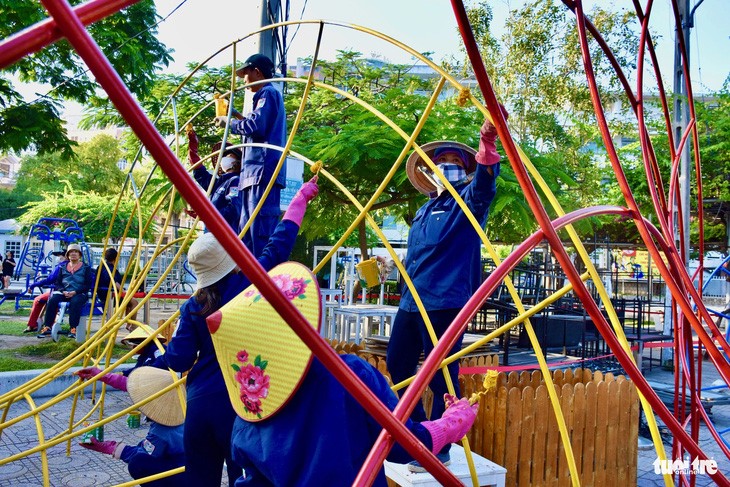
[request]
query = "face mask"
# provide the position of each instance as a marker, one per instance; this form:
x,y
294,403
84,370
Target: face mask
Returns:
x,y
227,162
453,173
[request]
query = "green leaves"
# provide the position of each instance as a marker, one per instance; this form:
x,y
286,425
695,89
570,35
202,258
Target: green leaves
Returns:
x,y
127,38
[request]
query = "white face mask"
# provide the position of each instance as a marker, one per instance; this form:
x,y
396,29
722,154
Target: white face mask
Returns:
x,y
227,162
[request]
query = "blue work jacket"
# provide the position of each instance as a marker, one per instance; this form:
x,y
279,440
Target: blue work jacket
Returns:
x,y
444,249
265,124
224,195
321,437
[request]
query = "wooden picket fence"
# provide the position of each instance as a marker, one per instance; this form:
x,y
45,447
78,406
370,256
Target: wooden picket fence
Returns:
x,y
516,427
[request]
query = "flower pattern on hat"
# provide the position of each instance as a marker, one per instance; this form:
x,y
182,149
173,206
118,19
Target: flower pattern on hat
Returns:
x,y
292,287
254,382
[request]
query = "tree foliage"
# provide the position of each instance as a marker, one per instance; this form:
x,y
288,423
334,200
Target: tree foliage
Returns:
x,y
128,40
537,71
92,168
90,210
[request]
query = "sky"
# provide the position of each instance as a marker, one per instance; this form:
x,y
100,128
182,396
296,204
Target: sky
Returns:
x,y
199,28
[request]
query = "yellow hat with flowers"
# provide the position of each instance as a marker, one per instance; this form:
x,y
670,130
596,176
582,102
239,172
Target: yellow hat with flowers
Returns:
x,y
262,359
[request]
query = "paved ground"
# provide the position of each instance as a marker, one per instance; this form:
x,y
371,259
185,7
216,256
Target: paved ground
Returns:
x,y
87,468
720,415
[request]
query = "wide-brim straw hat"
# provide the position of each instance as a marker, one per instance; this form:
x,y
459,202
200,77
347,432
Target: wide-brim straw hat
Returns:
x,y
419,180
139,334
166,409
209,260
262,359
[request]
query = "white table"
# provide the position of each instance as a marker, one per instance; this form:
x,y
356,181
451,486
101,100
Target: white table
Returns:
x,y
345,316
488,472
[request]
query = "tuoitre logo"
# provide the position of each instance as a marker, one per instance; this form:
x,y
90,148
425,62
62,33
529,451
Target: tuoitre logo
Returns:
x,y
696,466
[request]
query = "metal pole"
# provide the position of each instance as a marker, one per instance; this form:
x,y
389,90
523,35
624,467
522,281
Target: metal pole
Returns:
x,y
681,119
270,12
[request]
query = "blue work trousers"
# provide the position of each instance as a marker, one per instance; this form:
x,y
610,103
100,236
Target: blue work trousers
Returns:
x,y
408,339
263,225
141,464
207,440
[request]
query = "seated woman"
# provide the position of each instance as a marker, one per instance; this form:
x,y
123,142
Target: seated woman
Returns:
x,y
72,286
39,303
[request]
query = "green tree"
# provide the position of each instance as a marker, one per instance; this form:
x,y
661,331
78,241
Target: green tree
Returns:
x,y
93,168
128,38
12,202
90,210
360,150
537,72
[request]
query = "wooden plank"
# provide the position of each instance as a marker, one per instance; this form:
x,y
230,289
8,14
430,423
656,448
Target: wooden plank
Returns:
x,y
512,444
613,449
553,440
633,458
597,376
525,378
568,376
602,415
488,416
579,414
566,405
589,438
513,379
500,430
627,443
536,379
539,443
558,378
524,462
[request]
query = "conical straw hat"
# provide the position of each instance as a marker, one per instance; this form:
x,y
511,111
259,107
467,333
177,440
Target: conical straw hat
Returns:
x,y
139,334
262,359
166,409
419,180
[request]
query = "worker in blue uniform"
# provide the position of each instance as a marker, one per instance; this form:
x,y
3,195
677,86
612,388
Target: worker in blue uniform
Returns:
x,y
444,256
322,435
209,418
266,124
224,195
162,448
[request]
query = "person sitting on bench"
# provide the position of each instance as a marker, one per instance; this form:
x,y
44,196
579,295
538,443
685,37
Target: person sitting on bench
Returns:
x,y
72,286
40,301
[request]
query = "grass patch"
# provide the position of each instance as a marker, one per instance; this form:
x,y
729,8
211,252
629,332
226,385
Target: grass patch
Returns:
x,y
8,308
8,363
43,355
12,327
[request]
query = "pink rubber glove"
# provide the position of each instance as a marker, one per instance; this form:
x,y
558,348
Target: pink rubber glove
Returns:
x,y
488,154
193,148
453,425
117,381
112,448
298,205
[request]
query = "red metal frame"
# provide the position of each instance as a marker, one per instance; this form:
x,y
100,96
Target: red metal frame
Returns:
x,y
70,23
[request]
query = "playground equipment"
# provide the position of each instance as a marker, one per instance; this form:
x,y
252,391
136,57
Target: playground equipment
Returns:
x,y
46,236
655,239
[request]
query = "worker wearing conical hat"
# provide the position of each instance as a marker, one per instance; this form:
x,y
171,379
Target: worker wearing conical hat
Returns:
x,y
444,254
